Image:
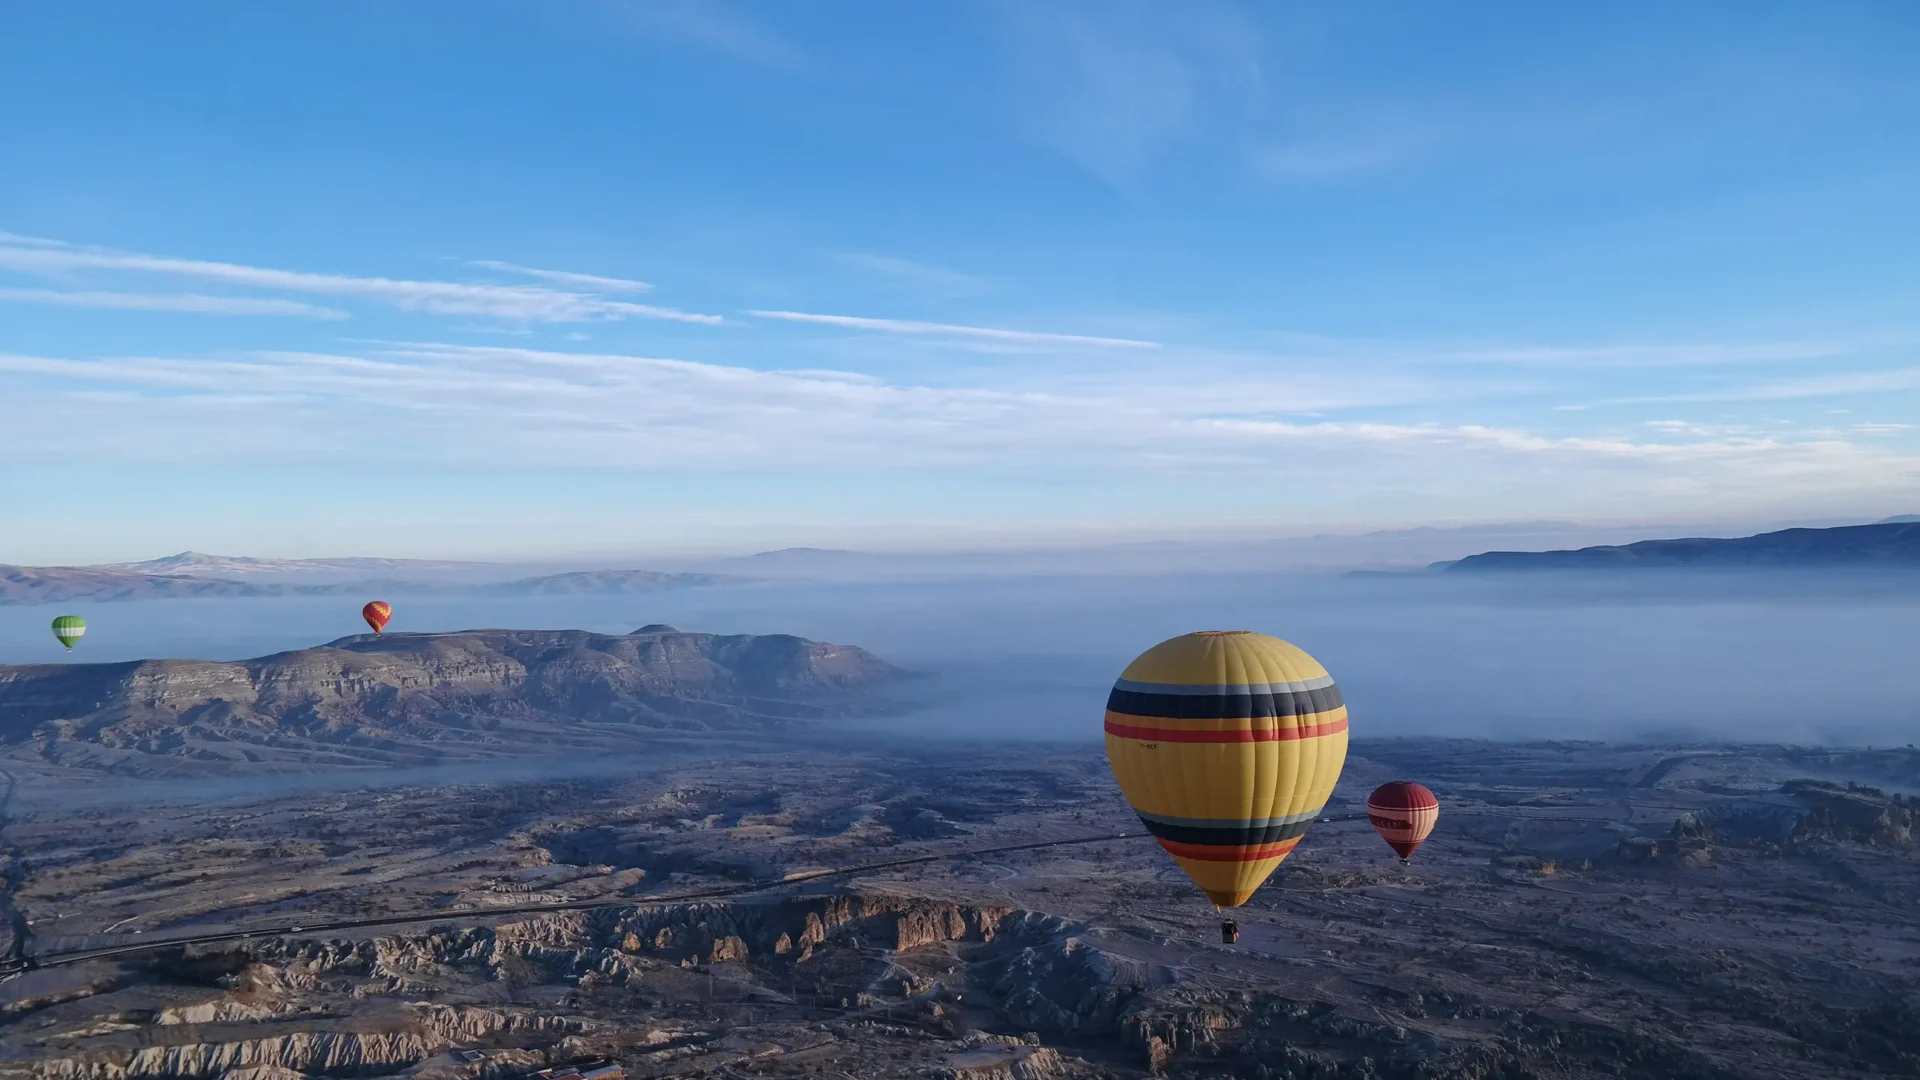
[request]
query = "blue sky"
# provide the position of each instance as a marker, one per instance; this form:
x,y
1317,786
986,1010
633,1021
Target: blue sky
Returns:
x,y
495,279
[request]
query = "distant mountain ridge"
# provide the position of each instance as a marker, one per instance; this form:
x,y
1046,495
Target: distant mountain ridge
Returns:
x,y
196,574
1894,543
601,582
1406,549
409,698
60,584
200,565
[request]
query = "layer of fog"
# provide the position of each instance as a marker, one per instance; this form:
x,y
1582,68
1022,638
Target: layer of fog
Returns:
x,y
1387,549
1654,657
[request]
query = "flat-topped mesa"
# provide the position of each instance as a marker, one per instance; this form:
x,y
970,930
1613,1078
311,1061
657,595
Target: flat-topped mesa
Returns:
x,y
478,689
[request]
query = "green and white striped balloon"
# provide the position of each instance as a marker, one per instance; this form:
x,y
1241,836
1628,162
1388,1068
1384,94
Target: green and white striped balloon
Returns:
x,y
68,629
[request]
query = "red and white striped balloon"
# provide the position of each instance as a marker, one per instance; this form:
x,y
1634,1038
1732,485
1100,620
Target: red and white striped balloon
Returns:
x,y
1403,813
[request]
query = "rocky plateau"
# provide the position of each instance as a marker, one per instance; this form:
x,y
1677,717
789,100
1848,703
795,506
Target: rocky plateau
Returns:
x,y
404,699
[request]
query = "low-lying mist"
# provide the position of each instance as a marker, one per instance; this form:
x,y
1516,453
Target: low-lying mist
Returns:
x,y
1671,656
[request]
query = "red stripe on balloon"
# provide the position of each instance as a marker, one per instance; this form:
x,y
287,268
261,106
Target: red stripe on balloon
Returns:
x,y
1191,735
1229,853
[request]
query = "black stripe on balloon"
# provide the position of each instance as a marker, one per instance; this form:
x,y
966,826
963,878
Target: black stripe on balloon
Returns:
x,y
1226,837
1224,706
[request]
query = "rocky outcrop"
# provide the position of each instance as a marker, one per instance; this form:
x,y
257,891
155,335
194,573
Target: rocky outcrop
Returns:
x,y
220,1010
263,1072
300,1051
1018,1061
793,929
290,1004
1853,814
1163,1032
502,690
307,1045
567,946
1805,812
1064,984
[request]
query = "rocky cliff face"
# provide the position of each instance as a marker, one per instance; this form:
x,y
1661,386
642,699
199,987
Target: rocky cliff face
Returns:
x,y
504,689
305,1045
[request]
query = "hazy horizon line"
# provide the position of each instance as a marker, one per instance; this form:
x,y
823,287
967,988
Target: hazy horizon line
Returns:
x,y
1101,540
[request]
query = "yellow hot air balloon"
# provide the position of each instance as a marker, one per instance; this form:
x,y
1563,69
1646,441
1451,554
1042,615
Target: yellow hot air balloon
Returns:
x,y
1227,743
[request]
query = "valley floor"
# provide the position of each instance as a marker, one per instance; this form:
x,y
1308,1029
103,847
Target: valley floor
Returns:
x,y
1581,911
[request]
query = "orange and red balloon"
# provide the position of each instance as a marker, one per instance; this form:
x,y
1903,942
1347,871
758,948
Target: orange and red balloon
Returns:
x,y
377,613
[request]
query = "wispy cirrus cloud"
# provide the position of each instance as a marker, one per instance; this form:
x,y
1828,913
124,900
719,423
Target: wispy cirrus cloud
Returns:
x,y
526,303
985,333
715,25
1698,429
936,280
1110,85
31,241
588,282
1833,384
497,405
1320,159
190,303
1829,384
1658,354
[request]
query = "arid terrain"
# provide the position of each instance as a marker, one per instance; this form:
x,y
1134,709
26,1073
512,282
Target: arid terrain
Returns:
x,y
1582,911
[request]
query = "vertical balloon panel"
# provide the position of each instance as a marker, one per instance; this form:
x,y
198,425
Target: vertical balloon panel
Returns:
x,y
1404,814
68,629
